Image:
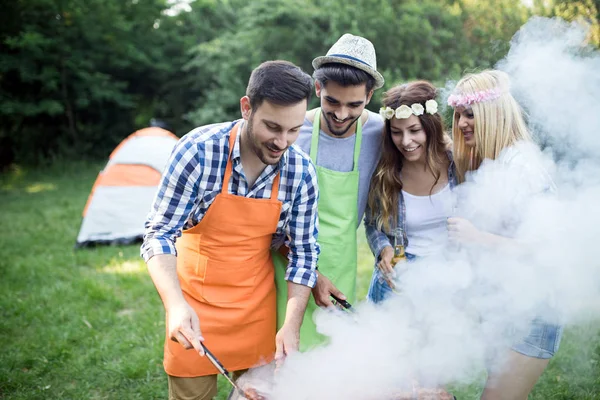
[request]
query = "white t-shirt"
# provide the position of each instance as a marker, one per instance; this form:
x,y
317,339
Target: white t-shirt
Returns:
x,y
426,221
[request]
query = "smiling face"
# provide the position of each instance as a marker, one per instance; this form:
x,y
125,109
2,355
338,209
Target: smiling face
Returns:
x,y
466,124
410,138
341,106
272,128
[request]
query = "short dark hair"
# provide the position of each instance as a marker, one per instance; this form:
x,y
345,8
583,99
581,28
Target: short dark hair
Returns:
x,y
345,75
279,82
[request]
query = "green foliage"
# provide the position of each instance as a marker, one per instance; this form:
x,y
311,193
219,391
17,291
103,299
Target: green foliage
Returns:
x,y
414,39
75,74
263,31
78,76
582,11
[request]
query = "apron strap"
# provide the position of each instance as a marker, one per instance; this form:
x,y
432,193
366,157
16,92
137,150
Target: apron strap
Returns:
x,y
275,187
314,141
357,143
229,166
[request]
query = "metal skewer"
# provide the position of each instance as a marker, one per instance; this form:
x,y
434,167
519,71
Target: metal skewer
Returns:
x,y
222,370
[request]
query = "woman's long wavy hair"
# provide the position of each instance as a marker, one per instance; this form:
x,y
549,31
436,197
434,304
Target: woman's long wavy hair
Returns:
x,y
498,124
386,183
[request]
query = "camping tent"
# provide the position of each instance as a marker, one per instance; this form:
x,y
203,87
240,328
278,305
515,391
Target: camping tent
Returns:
x,y
123,192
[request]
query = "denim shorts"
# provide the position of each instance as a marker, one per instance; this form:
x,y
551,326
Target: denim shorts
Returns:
x,y
542,341
379,289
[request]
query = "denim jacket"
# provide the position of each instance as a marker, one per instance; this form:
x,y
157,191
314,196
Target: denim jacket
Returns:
x,y
378,239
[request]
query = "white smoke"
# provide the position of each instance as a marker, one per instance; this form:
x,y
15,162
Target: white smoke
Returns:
x,y
555,76
460,311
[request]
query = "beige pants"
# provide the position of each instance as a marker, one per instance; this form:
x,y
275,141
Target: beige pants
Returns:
x,y
197,388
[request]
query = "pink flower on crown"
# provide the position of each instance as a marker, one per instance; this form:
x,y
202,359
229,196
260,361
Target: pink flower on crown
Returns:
x,y
453,100
456,100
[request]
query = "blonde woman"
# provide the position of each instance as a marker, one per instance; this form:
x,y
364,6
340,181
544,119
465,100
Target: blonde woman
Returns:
x,y
488,124
410,194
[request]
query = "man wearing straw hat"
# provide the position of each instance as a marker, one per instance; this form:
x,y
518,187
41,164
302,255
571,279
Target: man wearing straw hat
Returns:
x,y
343,140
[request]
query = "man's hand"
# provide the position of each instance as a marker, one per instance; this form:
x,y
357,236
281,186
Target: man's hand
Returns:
x,y
322,291
184,327
462,231
287,341
385,260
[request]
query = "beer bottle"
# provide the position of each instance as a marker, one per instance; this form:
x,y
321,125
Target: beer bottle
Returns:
x,y
399,254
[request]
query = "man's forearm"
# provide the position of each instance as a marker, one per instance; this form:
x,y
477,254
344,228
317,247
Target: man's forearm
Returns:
x,y
163,271
296,305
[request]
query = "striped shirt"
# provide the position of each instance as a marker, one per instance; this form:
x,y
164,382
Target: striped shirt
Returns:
x,y
194,176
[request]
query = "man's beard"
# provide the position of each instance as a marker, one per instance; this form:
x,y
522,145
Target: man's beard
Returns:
x,y
337,132
258,148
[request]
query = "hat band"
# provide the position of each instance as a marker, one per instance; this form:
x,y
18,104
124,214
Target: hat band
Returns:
x,y
349,58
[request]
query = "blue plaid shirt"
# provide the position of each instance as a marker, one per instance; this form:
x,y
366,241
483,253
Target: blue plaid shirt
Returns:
x,y
194,176
378,239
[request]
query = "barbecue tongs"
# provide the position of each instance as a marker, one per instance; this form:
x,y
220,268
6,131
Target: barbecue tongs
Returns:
x,y
343,304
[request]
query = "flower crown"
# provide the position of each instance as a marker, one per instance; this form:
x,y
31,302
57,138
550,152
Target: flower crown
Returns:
x,y
404,111
455,100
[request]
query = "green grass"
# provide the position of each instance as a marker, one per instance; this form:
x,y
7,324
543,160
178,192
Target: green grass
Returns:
x,y
88,324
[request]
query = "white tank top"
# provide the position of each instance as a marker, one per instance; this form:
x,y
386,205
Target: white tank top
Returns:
x,y
426,225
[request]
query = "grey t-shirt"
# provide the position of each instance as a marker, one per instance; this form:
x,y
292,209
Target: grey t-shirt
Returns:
x,y
338,153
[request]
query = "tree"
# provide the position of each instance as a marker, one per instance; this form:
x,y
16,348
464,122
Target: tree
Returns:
x,y
77,76
75,73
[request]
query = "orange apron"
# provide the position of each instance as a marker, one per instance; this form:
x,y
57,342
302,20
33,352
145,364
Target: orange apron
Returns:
x,y
226,274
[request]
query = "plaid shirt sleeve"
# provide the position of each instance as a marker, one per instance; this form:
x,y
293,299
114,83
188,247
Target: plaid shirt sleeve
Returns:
x,y
178,190
376,238
303,232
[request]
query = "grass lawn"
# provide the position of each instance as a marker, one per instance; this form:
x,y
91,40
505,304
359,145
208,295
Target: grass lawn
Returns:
x,y
88,324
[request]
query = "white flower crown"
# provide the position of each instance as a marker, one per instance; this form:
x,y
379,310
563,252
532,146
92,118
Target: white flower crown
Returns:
x,y
404,111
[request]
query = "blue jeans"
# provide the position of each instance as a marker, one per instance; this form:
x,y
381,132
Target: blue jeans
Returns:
x,y
379,289
542,341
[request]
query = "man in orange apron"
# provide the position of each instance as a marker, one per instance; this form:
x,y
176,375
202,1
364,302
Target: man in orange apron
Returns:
x,y
227,190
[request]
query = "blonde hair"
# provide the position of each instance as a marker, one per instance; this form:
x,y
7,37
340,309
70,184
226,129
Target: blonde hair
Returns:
x,y
499,122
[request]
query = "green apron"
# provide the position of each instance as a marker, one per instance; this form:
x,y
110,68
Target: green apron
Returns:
x,y
338,221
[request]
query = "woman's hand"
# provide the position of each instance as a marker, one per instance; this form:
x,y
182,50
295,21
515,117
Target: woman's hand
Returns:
x,y
463,231
385,260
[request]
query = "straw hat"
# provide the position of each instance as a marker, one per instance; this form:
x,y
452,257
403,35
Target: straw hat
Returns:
x,y
355,51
